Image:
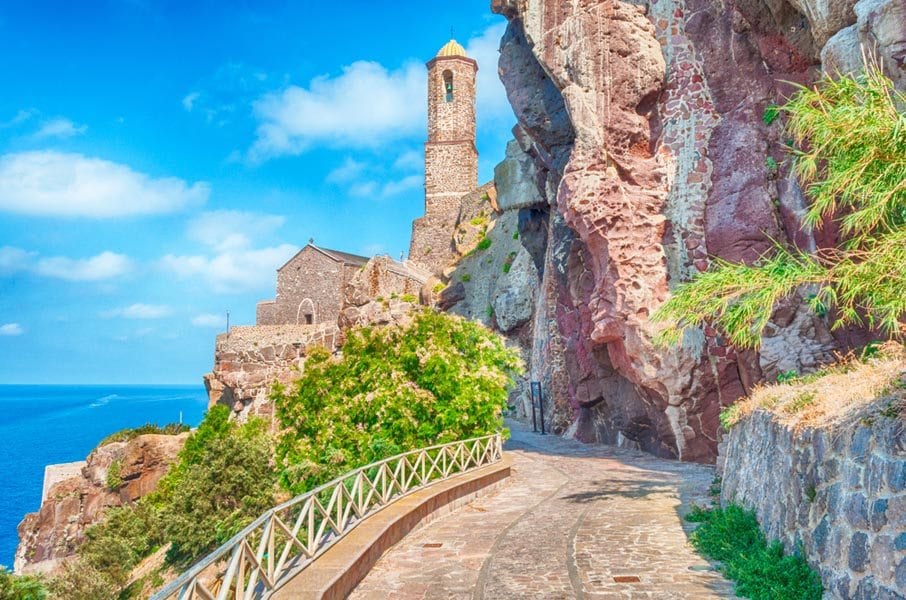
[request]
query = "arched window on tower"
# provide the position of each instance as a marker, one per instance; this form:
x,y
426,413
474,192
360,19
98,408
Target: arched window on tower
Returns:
x,y
448,85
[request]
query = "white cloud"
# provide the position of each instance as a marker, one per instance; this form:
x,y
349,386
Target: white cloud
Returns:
x,y
13,260
59,128
209,320
226,230
11,329
365,106
61,184
188,102
232,271
140,311
106,265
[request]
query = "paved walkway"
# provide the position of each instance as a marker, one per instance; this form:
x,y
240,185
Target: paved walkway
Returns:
x,y
573,521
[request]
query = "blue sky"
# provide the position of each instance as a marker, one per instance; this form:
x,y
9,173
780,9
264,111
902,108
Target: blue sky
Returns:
x,y
158,160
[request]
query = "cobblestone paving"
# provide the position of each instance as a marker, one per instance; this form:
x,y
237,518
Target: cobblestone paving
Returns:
x,y
573,521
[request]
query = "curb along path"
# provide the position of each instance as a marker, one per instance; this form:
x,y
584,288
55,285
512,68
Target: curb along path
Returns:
x,y
573,521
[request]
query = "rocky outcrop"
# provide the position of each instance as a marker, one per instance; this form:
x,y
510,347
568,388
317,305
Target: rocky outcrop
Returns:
x,y
114,474
651,155
836,493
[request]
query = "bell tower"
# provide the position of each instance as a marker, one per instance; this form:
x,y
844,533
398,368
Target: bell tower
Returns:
x,y
451,159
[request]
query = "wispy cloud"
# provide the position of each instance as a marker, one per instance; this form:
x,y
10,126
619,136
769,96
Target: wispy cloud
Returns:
x,y
11,329
14,260
491,101
20,117
59,128
226,230
232,263
232,271
61,184
209,320
139,311
348,171
188,101
104,266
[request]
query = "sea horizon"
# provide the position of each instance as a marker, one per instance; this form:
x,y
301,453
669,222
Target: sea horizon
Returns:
x,y
55,423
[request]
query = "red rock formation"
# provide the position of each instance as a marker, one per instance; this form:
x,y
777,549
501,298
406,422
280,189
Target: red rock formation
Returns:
x,y
645,123
72,505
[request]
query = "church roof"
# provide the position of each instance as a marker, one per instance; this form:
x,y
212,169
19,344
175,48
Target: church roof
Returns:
x,y
346,257
452,48
353,260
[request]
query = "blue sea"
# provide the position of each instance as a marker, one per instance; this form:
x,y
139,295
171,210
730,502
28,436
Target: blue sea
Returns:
x,y
46,424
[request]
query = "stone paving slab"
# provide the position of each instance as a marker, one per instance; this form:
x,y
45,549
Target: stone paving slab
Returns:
x,y
570,519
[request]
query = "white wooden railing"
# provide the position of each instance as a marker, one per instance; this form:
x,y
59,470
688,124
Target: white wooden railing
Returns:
x,y
277,545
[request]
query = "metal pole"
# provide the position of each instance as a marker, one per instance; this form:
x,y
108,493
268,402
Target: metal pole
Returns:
x,y
532,385
228,322
541,407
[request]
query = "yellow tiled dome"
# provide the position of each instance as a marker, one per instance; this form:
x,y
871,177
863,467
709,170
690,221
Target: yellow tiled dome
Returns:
x,y
452,48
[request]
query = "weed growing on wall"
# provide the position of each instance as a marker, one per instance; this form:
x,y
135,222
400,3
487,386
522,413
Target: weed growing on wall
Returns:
x,y
440,379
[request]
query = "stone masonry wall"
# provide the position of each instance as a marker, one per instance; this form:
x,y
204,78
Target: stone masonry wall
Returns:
x,y
313,276
451,171
248,360
266,312
839,492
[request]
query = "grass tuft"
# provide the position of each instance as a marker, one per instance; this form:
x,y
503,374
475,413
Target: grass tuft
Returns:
x,y
760,570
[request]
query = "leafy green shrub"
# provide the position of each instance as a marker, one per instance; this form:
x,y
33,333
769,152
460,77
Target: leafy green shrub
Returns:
x,y
852,163
771,112
466,278
732,537
729,416
440,379
771,165
409,298
21,587
787,376
224,480
439,287
114,475
483,244
124,435
515,235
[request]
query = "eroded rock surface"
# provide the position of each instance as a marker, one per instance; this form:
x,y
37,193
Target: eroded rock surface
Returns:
x,y
646,125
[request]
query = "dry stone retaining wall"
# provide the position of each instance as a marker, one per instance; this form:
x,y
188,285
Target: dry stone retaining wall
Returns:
x,y
838,493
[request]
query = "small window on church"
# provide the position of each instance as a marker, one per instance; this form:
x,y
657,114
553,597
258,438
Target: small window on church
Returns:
x,y
448,85
309,319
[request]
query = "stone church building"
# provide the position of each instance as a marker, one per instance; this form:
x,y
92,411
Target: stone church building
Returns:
x,y
310,287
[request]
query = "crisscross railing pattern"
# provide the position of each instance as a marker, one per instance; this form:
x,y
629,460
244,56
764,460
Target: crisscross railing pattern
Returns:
x,y
287,538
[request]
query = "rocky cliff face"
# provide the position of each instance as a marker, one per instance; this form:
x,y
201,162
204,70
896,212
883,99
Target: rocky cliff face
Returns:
x,y
643,123
74,504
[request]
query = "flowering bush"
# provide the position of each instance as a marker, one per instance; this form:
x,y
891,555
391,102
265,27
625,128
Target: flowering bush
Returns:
x,y
393,389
